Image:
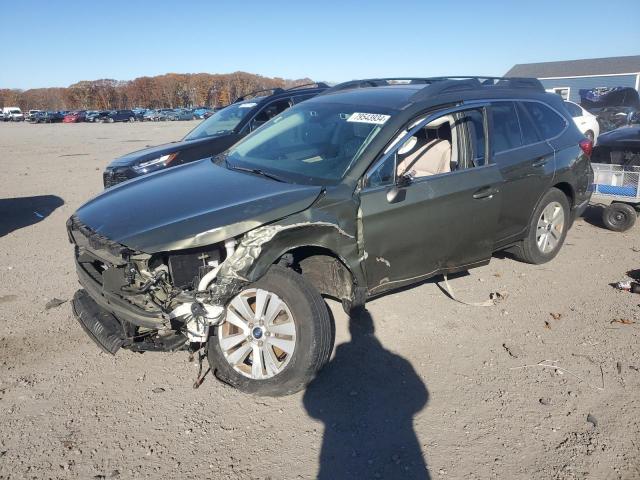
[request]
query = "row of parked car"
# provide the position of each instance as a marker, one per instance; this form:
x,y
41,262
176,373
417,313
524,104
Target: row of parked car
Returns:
x,y
107,116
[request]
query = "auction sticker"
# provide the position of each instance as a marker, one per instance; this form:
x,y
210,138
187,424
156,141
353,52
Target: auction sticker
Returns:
x,y
375,118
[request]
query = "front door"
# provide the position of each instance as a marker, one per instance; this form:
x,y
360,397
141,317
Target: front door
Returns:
x,y
416,226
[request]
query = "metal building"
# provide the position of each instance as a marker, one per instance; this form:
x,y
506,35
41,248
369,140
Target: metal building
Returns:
x,y
568,77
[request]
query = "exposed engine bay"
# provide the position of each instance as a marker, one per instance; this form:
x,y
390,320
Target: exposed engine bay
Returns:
x,y
166,300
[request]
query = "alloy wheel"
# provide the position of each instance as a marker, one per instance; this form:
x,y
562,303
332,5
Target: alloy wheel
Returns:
x,y
550,227
258,338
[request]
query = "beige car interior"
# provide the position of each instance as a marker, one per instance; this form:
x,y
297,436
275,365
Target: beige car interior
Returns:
x,y
429,151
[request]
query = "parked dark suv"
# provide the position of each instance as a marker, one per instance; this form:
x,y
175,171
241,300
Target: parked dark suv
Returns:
x,y
118,116
212,136
369,187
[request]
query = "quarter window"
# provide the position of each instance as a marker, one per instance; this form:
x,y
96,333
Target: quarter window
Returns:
x,y
549,123
574,110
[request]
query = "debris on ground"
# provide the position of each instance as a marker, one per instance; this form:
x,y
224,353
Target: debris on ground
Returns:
x,y
158,390
547,325
556,316
512,350
628,286
545,401
619,368
53,303
622,321
498,297
592,420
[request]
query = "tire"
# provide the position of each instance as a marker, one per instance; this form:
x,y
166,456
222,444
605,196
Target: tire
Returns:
x,y
534,248
132,119
313,338
619,217
111,120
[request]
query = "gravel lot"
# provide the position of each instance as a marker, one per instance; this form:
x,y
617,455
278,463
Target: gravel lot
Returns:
x,y
422,381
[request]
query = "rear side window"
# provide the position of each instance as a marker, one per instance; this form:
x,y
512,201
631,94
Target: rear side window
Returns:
x,y
506,130
549,123
529,133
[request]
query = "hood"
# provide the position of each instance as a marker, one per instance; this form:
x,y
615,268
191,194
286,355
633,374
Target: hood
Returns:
x,y
189,206
621,137
150,153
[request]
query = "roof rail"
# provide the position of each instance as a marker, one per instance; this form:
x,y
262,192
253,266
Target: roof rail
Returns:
x,y
317,84
252,94
444,84
377,82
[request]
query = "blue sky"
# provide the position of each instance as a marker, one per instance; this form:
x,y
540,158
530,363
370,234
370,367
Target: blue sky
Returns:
x,y
56,43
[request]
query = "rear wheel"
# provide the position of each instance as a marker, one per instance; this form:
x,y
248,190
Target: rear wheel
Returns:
x,y
619,217
548,229
132,119
277,334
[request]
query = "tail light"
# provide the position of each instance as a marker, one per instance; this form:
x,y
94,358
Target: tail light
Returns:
x,y
587,146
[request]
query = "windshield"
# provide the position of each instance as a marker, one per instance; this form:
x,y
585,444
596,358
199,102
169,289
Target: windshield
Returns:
x,y
223,121
312,143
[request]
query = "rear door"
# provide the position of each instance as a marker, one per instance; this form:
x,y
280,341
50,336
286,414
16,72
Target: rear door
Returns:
x,y
415,227
526,163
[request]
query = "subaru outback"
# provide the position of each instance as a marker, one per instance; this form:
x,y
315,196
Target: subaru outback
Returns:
x,y
233,255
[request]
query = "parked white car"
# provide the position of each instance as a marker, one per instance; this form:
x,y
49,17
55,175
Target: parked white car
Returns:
x,y
13,114
587,122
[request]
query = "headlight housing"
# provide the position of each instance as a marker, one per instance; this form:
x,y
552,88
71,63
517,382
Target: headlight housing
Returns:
x,y
155,164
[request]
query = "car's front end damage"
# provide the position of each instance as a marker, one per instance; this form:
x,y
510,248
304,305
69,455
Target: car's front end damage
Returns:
x,y
154,285
170,301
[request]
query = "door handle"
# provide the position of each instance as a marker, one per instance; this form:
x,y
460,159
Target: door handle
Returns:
x,y
485,192
540,162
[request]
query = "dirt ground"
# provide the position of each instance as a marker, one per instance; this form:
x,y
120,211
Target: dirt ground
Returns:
x,y
420,386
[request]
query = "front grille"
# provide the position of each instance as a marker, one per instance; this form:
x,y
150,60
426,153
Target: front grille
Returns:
x,y
113,176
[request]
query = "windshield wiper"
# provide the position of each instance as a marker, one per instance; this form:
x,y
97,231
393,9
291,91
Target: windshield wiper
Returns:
x,y
257,171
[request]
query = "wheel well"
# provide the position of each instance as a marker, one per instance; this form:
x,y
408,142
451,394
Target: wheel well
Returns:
x,y
567,189
323,269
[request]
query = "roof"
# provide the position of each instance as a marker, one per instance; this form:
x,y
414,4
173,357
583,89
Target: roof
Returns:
x,y
405,97
577,68
387,97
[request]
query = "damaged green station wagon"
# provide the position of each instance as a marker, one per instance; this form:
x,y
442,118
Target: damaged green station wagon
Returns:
x,y
371,186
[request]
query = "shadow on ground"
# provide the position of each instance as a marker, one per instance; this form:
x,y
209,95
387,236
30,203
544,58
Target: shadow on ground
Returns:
x,y
367,397
17,213
593,215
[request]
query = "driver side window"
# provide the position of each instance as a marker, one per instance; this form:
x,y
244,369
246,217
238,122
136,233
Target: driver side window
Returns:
x,y
446,144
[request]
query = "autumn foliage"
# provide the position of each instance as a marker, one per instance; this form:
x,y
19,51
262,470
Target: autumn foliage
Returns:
x,y
164,91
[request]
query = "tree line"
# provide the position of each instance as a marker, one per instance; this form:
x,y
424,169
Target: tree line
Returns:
x,y
171,90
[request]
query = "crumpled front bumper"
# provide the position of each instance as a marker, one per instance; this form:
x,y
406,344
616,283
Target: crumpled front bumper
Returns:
x,y
101,326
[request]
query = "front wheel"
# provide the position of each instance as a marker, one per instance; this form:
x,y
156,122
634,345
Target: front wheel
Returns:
x,y
547,230
277,334
619,217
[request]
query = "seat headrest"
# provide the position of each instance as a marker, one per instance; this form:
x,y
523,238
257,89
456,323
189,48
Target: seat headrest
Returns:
x,y
408,145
